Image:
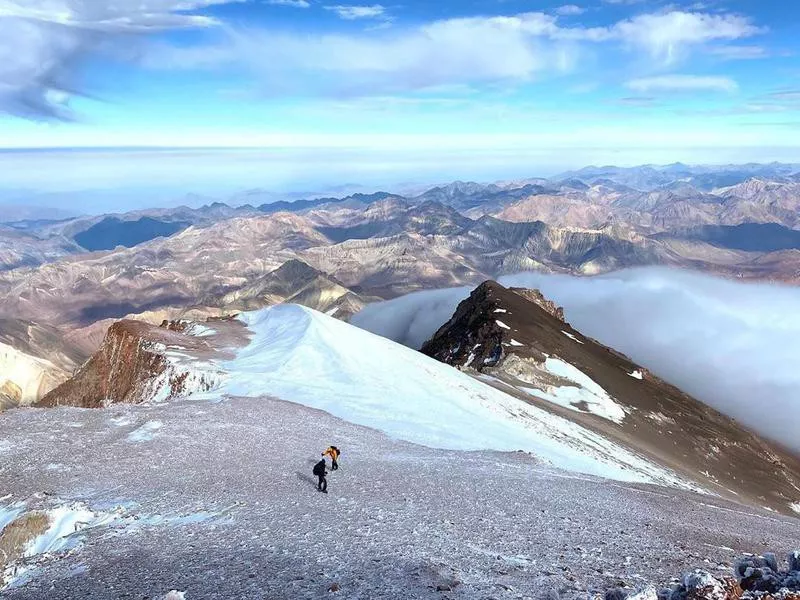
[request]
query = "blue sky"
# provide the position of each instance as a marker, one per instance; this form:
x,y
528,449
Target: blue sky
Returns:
x,y
636,80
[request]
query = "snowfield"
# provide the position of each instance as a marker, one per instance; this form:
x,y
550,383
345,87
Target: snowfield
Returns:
x,y
303,356
221,505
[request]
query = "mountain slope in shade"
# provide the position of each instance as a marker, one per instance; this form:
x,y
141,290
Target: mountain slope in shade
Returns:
x,y
112,232
294,282
519,342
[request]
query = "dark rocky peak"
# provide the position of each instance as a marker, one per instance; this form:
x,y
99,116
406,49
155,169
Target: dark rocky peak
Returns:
x,y
490,323
538,298
293,270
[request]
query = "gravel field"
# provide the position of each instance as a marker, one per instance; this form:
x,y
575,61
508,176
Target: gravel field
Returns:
x,y
217,500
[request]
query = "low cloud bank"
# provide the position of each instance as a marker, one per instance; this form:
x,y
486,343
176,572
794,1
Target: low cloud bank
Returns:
x,y
733,345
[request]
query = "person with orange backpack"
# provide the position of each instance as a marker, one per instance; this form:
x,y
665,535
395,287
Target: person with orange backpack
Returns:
x,y
333,453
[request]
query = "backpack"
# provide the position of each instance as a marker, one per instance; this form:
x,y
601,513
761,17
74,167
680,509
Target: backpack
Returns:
x,y
319,468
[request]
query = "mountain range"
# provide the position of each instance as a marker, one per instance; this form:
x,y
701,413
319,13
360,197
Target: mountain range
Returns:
x,y
76,276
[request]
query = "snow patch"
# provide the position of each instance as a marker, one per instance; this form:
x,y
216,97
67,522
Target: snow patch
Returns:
x,y
199,330
659,417
514,342
503,325
9,513
636,375
500,310
122,421
146,432
66,522
63,524
570,336
584,396
795,506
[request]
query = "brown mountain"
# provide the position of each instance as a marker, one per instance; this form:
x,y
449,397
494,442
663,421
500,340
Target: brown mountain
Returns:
x,y
139,362
519,342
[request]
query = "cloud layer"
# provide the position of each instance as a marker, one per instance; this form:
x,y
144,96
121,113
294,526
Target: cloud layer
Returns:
x,y
516,49
44,45
735,346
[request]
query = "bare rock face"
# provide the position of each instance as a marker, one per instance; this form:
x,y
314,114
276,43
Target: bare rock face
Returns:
x,y
539,300
138,362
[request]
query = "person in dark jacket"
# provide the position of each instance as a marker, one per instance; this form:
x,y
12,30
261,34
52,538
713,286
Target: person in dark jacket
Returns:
x,y
320,471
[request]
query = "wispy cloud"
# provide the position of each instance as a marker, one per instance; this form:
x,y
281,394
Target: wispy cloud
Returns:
x,y
682,83
44,43
638,101
514,50
292,3
353,12
740,52
570,10
669,37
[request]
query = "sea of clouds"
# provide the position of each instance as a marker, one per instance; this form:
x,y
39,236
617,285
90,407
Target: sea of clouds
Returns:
x,y
731,344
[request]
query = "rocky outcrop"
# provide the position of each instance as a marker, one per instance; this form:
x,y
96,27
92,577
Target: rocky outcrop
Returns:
x,y
138,362
539,300
755,578
519,341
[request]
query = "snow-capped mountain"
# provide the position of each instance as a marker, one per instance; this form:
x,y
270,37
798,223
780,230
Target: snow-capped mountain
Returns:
x,y
518,341
300,355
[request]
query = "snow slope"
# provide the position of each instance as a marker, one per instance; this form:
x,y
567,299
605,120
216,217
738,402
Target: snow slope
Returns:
x,y
303,356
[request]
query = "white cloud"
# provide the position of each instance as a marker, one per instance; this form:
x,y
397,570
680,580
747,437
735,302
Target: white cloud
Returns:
x,y
682,83
570,10
740,52
292,3
669,37
43,44
351,12
437,54
733,345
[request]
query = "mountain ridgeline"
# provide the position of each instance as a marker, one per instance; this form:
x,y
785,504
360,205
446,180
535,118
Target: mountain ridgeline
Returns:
x,y
520,342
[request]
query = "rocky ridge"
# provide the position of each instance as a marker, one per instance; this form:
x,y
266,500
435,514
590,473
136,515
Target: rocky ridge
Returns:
x,y
519,342
138,363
